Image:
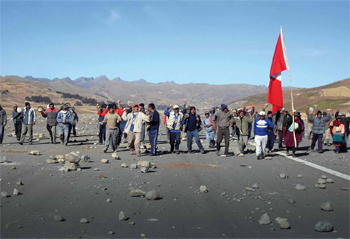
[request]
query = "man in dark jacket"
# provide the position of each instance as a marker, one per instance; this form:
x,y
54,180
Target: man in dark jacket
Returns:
x,y
223,120
153,128
318,129
281,120
193,122
102,127
346,121
3,122
17,121
51,115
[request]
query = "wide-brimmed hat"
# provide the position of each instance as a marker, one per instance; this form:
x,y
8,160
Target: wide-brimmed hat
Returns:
x,y
297,114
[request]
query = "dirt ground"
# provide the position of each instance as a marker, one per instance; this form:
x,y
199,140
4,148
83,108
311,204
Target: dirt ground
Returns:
x,y
227,210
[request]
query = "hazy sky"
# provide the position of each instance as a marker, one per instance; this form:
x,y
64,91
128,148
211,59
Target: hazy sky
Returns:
x,y
217,42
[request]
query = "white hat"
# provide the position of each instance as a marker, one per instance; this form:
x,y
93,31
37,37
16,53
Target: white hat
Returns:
x,y
19,110
262,113
175,107
311,109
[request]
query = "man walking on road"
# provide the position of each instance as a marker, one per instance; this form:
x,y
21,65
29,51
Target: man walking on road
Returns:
x,y
223,120
29,118
17,121
51,115
260,134
242,124
318,129
174,124
3,122
193,122
64,118
153,128
112,120
133,128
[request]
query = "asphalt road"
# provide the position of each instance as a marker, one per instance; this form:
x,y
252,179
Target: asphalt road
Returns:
x,y
227,210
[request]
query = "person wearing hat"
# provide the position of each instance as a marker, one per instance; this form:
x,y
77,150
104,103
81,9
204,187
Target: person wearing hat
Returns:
x,y
64,118
326,135
318,129
241,123
174,125
17,121
111,120
133,128
193,123
223,120
288,134
209,129
338,132
28,121
102,127
3,122
346,121
51,115
282,117
260,134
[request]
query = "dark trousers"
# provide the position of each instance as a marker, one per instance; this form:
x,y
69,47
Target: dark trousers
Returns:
x,y
74,130
175,140
250,125
153,135
18,130
70,126
221,134
143,132
316,137
270,139
2,132
102,133
280,138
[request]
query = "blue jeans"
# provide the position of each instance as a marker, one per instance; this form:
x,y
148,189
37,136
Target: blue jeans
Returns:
x,y
64,131
190,135
153,136
210,137
2,132
175,140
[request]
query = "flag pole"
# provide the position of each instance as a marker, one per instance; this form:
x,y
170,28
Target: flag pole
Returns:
x,y
291,87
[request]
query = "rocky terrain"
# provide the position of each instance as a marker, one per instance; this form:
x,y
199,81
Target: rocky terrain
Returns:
x,y
78,191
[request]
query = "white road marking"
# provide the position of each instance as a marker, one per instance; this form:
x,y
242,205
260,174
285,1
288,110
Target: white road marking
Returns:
x,y
324,169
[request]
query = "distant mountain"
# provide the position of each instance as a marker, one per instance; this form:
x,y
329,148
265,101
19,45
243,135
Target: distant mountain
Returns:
x,y
103,89
38,79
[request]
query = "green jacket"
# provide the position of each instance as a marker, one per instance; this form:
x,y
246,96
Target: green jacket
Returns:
x,y
242,124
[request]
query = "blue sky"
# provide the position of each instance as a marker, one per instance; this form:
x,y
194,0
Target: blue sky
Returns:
x,y
216,42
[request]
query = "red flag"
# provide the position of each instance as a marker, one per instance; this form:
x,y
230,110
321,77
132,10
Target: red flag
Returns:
x,y
279,64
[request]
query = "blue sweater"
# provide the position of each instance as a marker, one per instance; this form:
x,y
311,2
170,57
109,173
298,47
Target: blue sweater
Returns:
x,y
154,122
260,126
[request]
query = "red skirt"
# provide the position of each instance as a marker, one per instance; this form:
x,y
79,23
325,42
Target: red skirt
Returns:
x,y
289,139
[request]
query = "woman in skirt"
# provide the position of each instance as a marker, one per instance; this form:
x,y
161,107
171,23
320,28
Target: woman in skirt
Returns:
x,y
288,133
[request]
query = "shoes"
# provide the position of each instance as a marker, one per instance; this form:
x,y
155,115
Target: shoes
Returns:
x,y
202,151
105,150
30,143
287,153
320,151
21,143
217,152
240,155
65,145
263,156
293,155
138,155
150,154
132,152
177,152
259,157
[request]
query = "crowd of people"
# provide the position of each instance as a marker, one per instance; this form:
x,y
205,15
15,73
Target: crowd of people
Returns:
x,y
129,123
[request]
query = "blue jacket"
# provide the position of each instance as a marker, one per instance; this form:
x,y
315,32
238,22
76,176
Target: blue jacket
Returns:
x,y
260,126
318,126
154,121
29,116
60,118
16,116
